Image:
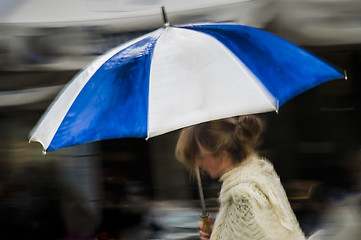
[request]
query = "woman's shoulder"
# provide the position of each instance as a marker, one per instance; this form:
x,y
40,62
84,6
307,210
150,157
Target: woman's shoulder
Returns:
x,y
249,192
249,176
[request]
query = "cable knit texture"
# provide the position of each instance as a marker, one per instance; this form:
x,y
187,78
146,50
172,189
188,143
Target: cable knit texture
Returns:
x,y
254,205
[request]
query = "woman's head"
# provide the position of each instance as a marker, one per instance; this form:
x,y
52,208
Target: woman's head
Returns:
x,y
237,137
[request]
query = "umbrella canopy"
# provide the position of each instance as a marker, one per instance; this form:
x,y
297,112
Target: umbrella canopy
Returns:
x,y
178,76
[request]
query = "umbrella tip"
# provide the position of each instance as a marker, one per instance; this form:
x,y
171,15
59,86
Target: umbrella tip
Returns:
x,y
165,18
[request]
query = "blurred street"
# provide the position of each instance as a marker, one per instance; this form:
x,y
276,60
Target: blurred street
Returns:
x,y
135,188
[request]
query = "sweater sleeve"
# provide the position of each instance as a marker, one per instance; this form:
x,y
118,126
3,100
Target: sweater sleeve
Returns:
x,y
240,218
246,202
248,214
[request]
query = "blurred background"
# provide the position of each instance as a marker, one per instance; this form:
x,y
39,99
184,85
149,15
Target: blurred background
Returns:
x,y
133,188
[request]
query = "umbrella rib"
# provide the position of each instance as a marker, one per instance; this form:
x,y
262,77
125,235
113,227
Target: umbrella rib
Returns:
x,y
264,91
260,85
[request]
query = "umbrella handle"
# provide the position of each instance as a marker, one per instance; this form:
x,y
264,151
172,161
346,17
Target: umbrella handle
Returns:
x,y
206,224
205,215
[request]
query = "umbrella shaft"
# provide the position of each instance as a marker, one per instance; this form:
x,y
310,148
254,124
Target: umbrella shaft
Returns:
x,y
200,189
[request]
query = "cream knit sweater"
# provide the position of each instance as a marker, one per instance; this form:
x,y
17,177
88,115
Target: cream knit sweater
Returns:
x,y
254,205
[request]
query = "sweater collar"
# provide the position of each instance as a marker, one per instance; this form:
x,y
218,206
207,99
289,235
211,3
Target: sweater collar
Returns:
x,y
239,167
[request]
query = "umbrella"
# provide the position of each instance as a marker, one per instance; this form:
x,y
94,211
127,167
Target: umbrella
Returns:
x,y
178,76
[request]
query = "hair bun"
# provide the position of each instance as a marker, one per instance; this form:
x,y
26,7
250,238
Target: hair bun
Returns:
x,y
249,127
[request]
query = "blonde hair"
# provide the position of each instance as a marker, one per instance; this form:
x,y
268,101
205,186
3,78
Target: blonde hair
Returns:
x,y
239,136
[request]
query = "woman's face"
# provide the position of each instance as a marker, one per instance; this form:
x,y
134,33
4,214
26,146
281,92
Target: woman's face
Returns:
x,y
209,163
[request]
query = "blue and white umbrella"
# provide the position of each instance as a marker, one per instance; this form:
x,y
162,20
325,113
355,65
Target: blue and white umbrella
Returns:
x,y
178,76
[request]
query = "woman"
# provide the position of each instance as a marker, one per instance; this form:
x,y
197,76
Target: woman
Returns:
x,y
253,203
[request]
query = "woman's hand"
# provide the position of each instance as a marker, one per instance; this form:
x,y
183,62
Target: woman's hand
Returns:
x,y
205,231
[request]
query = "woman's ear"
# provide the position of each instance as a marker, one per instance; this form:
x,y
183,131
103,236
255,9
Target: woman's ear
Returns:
x,y
226,155
225,159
